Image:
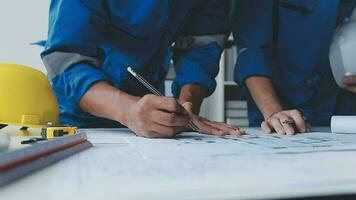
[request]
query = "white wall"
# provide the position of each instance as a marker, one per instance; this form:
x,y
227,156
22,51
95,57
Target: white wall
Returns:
x,y
21,23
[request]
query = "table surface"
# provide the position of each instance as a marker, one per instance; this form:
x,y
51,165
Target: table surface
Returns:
x,y
196,166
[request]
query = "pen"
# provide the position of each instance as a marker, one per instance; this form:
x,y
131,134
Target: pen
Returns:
x,y
155,91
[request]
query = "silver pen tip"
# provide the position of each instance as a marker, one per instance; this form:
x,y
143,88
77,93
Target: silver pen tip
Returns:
x,y
131,71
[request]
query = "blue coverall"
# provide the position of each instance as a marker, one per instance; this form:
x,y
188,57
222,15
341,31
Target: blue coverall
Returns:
x,y
288,41
96,40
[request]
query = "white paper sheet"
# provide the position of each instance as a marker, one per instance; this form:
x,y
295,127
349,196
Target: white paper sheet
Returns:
x,y
194,166
108,136
125,174
255,142
122,173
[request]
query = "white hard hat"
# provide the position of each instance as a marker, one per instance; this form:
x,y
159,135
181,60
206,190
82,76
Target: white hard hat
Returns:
x,y
343,50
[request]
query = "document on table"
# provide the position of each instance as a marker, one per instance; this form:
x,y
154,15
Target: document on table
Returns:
x,y
254,142
121,172
197,166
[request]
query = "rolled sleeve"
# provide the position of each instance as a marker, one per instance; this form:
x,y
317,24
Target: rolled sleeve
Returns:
x,y
253,29
199,47
198,67
72,55
253,62
75,81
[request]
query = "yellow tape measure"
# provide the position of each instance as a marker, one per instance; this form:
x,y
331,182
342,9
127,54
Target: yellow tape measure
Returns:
x,y
54,130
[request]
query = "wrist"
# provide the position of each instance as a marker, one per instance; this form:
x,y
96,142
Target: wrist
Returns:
x,y
104,100
125,103
270,111
264,95
194,94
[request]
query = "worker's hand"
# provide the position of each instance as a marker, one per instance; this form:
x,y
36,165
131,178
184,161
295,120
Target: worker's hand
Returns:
x,y
211,127
350,83
157,117
285,122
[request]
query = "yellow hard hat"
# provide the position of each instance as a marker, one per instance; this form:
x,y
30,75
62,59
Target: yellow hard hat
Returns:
x,y
26,97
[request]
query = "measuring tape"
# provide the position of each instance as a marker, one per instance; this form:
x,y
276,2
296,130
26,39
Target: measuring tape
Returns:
x,y
54,130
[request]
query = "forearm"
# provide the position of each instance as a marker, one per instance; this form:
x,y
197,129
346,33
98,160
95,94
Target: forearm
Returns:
x,y
193,93
264,95
103,100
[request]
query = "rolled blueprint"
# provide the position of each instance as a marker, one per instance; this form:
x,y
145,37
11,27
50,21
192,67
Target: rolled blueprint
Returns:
x,y
343,124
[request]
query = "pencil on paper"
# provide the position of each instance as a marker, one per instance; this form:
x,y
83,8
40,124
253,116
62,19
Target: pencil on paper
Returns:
x,y
155,91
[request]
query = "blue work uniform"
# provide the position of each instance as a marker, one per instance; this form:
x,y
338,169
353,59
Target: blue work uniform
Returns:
x,y
288,41
96,40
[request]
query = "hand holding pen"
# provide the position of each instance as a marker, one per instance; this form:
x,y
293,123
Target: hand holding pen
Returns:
x,y
156,92
156,116
204,125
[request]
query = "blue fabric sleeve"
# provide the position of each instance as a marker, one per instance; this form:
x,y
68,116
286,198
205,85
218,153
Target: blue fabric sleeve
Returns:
x,y
75,81
201,65
70,31
253,62
253,33
73,32
198,67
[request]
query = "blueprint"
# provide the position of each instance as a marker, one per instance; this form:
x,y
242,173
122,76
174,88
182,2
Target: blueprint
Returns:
x,y
197,166
254,142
